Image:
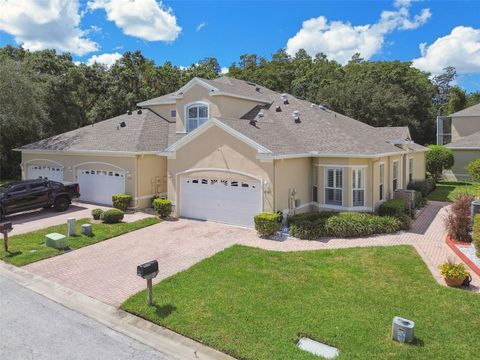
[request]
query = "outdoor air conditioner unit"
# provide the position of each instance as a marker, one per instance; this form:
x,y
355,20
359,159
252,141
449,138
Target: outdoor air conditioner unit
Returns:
x,y
408,196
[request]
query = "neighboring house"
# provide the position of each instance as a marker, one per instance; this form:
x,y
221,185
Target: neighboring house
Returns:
x,y
461,133
227,149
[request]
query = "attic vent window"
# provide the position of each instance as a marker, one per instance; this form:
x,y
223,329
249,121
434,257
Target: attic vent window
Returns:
x,y
284,99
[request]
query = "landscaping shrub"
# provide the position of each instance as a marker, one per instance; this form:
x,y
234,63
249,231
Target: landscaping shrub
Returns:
x,y
439,158
396,208
121,201
310,225
358,224
424,186
267,224
473,169
420,201
163,207
112,216
457,220
476,233
97,214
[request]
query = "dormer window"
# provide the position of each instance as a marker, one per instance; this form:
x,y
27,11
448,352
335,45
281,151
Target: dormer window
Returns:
x,y
197,114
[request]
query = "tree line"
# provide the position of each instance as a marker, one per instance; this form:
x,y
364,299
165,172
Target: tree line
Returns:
x,y
43,93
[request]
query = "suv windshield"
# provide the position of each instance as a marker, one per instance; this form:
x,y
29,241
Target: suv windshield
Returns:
x,y
4,188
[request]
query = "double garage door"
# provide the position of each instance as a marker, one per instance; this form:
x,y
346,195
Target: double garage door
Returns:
x,y
98,186
54,173
223,200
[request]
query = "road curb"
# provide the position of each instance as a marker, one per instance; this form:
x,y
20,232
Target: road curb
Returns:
x,y
166,341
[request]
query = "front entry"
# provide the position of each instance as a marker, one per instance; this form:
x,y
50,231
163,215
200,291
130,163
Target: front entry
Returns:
x,y
230,201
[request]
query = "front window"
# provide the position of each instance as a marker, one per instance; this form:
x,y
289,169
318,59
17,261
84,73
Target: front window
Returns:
x,y
197,114
395,176
358,186
381,189
334,187
444,130
410,170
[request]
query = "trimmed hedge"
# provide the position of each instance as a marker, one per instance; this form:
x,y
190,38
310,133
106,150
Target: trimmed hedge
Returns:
x,y
112,216
476,233
163,207
267,224
315,225
121,201
395,208
97,214
424,186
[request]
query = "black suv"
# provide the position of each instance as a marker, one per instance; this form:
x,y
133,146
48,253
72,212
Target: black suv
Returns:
x,y
33,194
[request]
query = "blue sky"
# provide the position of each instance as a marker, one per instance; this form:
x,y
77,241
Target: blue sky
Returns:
x,y
173,30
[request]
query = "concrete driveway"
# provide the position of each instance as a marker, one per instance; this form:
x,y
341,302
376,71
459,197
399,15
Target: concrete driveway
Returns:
x,y
40,219
107,270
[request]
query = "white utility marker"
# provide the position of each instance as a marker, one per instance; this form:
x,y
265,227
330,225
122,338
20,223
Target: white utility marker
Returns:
x,y
317,348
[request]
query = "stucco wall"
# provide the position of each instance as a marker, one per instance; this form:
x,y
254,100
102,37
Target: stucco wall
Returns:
x,y
463,126
216,149
293,174
152,177
462,159
164,111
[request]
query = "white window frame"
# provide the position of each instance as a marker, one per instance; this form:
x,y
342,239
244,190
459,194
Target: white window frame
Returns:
x,y
358,176
410,169
395,177
173,113
381,182
314,183
440,134
335,185
199,120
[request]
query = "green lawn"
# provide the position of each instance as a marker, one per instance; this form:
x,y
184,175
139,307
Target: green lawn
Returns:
x,y
30,247
448,191
255,304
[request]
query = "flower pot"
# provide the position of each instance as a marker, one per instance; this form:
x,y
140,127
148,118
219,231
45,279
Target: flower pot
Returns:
x,y
454,281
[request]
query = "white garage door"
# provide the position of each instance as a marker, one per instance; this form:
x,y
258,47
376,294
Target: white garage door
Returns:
x,y
45,172
98,186
226,201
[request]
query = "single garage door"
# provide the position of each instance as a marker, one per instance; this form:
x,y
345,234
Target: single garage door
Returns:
x,y
98,186
227,201
45,172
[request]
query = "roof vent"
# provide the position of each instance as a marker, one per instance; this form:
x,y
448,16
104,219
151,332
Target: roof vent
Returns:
x,y
253,122
278,109
129,112
139,111
296,116
313,106
122,124
257,88
323,107
285,99
261,114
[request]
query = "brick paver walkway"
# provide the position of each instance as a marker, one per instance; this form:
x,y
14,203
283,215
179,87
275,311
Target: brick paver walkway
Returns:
x,y
106,271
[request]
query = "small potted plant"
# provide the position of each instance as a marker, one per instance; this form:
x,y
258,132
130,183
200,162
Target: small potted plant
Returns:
x,y
454,274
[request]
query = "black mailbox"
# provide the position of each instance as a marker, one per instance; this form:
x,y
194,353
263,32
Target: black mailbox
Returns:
x,y
6,227
148,270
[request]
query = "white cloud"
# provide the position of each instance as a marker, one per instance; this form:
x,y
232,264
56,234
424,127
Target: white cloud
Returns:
x,y
47,24
340,40
224,70
460,49
145,19
201,26
105,59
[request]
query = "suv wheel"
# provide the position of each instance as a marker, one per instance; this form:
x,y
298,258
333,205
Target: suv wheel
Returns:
x,y
61,204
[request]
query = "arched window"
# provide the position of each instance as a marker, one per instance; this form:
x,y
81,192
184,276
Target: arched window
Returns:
x,y
197,114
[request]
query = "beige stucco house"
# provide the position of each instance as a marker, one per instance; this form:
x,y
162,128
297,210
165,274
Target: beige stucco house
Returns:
x,y
461,133
226,149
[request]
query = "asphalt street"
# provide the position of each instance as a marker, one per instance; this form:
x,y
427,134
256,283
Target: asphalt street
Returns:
x,y
34,327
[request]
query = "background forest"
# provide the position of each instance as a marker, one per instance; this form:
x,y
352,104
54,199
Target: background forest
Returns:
x,y
43,93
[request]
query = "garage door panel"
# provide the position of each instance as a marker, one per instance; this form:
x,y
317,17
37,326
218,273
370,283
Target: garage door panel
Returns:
x,y
228,201
98,186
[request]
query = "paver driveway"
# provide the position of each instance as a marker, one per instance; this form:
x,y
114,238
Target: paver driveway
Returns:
x,y
107,270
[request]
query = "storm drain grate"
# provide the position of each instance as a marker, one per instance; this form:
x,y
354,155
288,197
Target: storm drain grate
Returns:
x,y
318,348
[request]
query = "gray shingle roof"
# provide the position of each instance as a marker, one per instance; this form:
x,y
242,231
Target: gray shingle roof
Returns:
x,y
469,141
164,99
319,129
470,111
144,132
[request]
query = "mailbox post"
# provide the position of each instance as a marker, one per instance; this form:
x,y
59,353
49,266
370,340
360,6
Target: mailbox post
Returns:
x,y
5,228
148,271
